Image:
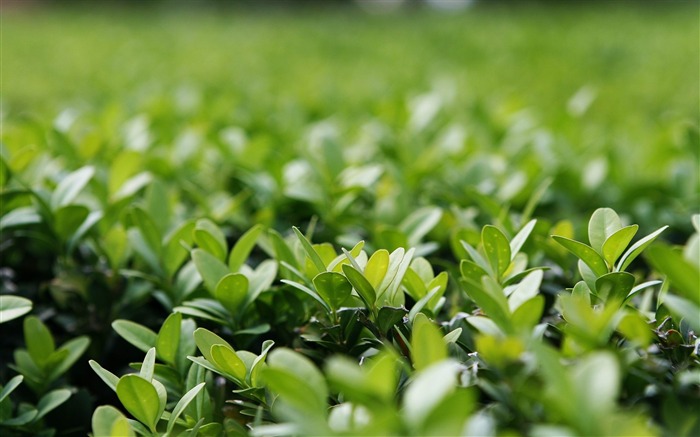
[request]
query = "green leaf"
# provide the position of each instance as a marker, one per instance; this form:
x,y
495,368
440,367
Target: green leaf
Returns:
x,y
259,362
67,220
105,375
333,288
210,268
241,250
232,291
107,421
70,351
11,385
683,309
427,345
149,364
603,223
517,242
50,401
633,252
419,223
26,215
309,292
182,404
210,238
418,307
387,317
12,307
225,358
282,252
427,390
683,276
205,339
377,267
528,288
614,286
168,338
529,313
140,399
138,335
297,380
70,186
471,271
148,230
497,249
585,253
39,341
361,285
617,243
174,254
310,251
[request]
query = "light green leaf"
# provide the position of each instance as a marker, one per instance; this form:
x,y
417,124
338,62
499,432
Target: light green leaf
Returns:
x,y
132,186
149,364
309,292
26,215
241,250
517,242
12,307
528,288
50,401
210,238
418,224
70,352
633,252
105,375
683,276
232,291
205,339
107,421
140,399
39,341
377,267
138,335
11,385
585,253
614,286
168,338
497,249
427,345
174,254
310,251
223,357
182,404
683,309
617,243
210,268
297,380
603,223
427,390
71,186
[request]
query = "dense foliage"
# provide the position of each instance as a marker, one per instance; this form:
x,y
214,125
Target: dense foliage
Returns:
x,y
285,225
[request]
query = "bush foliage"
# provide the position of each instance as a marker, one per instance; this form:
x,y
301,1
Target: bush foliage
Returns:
x,y
224,259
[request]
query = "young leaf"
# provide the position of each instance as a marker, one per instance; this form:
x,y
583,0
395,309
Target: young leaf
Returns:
x,y
71,186
10,386
182,404
617,243
148,366
333,288
107,421
376,267
138,335
603,223
528,288
637,248
232,291
140,399
105,375
12,307
210,268
427,345
310,251
223,357
50,401
209,237
361,285
205,339
517,242
168,338
70,352
39,341
585,253
242,248
497,249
